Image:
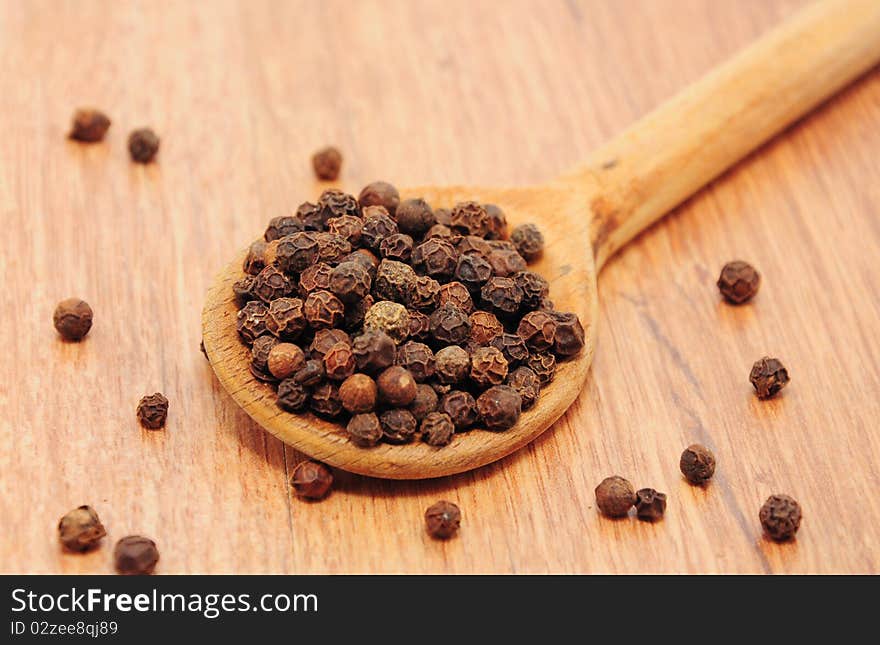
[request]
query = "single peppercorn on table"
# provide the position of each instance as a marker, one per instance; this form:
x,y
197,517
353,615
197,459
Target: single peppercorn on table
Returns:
x,y
242,94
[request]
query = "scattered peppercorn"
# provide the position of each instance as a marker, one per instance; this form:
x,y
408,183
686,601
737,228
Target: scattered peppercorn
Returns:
x,y
311,480
650,504
327,163
80,529
89,125
780,517
442,520
697,464
768,376
143,144
73,318
152,410
738,282
135,555
615,496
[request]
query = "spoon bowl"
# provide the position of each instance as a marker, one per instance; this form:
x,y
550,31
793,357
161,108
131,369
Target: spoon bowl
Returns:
x,y
587,216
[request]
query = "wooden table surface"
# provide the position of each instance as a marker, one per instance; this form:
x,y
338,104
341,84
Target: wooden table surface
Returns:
x,y
424,92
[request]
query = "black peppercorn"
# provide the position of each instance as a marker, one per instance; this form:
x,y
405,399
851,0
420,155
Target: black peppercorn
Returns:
x,y
424,294
650,504
73,318
282,226
350,282
80,529
251,321
325,400
331,248
358,394
323,309
397,247
356,312
442,520
135,555
419,325
326,163
437,257
485,327
89,125
339,362
424,402
271,283
292,396
738,282
380,193
374,350
502,295
506,262
488,367
538,330
452,364
472,244
437,429
242,289
285,359
414,217
397,386
697,464
324,339
348,227
377,226
312,216
389,317
512,346
260,356
461,408
439,230
455,293
398,425
315,277
470,218
152,410
394,281
418,359
473,270
364,430
526,384
780,517
569,337
534,289
143,144
311,480
450,325
284,318
497,226
528,241
615,496
295,253
768,376
335,203
499,407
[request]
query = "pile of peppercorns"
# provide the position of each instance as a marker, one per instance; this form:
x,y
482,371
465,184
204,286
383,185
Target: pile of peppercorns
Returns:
x,y
399,319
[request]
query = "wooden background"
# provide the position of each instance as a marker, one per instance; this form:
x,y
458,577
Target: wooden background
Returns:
x,y
485,92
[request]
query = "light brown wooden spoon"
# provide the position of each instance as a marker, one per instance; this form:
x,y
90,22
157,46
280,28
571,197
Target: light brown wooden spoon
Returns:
x,y
586,217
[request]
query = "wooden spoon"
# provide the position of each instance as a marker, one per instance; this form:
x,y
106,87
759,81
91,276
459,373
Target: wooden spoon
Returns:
x,y
586,216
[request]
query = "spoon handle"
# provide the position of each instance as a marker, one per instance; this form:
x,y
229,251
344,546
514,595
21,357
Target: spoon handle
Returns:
x,y
692,138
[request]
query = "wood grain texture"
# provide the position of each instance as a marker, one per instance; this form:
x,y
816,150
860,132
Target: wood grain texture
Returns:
x,y
424,93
